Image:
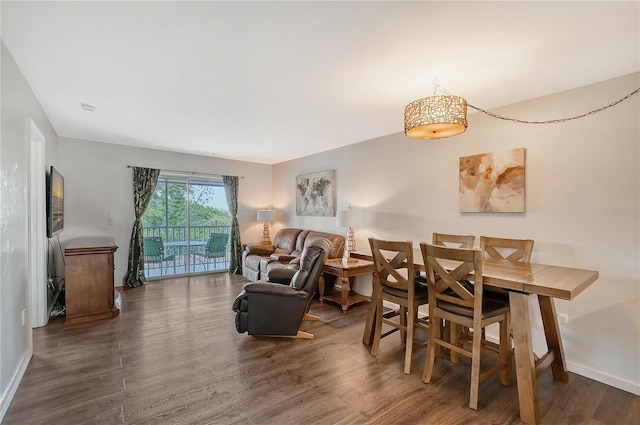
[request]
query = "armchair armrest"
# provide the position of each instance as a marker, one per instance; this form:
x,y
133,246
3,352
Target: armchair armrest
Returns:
x,y
283,258
260,249
270,288
282,275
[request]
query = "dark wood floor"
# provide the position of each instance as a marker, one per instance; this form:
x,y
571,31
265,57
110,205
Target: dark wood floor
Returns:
x,y
173,357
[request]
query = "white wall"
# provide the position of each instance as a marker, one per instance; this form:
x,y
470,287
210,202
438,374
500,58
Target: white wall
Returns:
x,y
19,107
98,182
582,207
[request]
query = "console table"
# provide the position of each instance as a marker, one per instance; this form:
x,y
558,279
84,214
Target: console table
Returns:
x,y
346,273
89,286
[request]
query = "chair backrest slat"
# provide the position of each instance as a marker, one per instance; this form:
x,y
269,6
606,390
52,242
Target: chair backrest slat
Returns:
x,y
455,241
513,250
394,264
453,286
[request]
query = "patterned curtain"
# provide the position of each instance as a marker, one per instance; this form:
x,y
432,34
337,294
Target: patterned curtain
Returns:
x,y
144,185
231,190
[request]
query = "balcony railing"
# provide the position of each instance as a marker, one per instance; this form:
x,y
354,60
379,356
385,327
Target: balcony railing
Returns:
x,y
182,245
181,233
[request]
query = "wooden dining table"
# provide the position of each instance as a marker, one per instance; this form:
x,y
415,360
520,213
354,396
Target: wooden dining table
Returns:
x,y
523,281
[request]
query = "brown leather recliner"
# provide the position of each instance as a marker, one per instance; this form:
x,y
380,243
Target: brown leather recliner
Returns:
x,y
258,260
277,309
283,243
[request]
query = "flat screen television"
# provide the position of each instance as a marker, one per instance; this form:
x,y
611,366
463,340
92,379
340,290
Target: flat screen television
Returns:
x,y
55,203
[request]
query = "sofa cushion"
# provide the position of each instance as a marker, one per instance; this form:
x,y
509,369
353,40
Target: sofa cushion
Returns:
x,y
264,262
252,262
285,240
337,242
300,243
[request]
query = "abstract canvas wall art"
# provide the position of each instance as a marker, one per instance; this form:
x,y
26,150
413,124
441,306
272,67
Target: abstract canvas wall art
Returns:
x,y
316,194
493,182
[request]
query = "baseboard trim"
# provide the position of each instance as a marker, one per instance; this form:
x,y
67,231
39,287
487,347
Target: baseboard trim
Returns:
x,y
8,395
605,378
579,369
596,375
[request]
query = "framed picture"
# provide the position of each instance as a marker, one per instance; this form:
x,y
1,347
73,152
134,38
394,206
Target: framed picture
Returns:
x,y
493,182
316,194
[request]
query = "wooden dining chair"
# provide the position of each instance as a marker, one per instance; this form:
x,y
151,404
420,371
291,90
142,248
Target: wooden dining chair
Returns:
x,y
452,241
513,250
453,298
394,281
455,241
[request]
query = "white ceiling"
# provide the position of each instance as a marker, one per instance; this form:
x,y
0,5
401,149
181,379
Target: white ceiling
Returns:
x,y
272,81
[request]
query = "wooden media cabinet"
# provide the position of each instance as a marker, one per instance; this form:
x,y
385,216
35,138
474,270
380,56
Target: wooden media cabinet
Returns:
x,y
89,279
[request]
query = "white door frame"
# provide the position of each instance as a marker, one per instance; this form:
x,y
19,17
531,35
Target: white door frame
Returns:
x,y
37,229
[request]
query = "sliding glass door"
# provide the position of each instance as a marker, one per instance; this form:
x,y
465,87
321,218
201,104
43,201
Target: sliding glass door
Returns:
x,y
186,227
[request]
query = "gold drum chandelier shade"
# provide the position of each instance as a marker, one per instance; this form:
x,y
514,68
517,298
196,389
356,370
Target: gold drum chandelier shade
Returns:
x,y
435,117
445,115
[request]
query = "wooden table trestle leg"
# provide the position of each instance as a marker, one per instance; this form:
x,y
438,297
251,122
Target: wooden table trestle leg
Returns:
x,y
524,357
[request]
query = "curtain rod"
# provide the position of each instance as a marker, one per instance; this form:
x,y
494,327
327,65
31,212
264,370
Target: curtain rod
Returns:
x,y
192,173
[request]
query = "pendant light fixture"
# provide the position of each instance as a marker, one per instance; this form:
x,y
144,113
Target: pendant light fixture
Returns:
x,y
445,115
436,117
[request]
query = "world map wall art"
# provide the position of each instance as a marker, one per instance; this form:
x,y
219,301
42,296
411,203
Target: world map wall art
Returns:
x,y
316,194
492,182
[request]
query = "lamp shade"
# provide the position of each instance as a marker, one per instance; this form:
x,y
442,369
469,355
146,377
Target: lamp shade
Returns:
x,y
435,117
266,215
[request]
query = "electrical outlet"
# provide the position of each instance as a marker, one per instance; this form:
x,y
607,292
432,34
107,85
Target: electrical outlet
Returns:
x,y
563,319
24,316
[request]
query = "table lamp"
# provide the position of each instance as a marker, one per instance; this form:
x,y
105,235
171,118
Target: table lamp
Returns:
x,y
266,216
345,219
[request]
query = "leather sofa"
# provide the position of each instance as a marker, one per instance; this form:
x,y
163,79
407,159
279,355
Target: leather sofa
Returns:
x,y
288,244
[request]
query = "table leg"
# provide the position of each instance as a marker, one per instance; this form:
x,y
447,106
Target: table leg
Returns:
x,y
525,362
554,340
346,288
321,287
367,337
